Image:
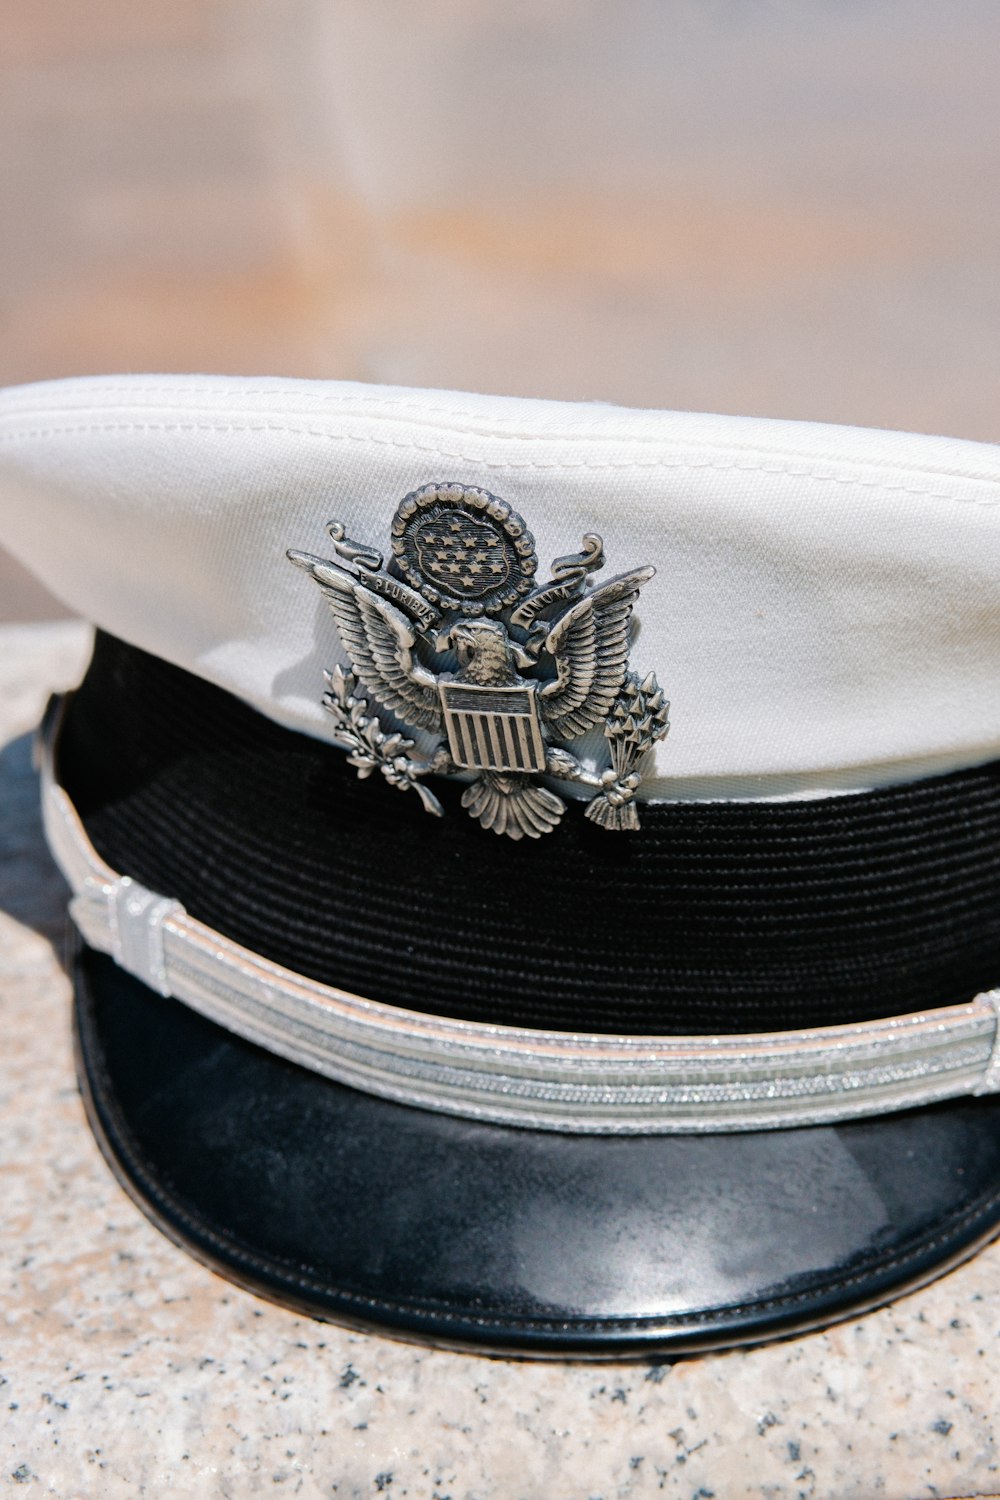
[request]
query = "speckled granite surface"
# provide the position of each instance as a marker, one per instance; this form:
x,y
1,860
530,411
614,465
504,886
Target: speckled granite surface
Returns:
x,y
128,1370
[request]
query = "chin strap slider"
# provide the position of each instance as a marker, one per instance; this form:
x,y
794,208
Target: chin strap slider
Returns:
x,y
990,1082
135,918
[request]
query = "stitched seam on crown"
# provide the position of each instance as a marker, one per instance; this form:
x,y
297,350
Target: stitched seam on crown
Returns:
x,y
387,404
504,464
446,1312
564,435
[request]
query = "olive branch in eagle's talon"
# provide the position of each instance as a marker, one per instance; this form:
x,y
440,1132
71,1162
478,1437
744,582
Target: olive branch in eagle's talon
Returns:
x,y
370,749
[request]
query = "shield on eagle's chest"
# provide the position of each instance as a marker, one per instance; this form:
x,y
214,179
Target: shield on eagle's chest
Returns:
x,y
493,728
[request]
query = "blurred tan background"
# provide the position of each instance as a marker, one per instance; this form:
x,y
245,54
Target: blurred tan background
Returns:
x,y
780,207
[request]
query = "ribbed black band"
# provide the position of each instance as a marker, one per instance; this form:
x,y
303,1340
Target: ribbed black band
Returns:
x,y
715,917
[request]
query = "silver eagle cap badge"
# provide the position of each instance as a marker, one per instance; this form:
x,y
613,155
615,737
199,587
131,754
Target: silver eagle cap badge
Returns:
x,y
454,637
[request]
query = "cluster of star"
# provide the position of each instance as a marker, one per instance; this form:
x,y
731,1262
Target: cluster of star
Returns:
x,y
461,555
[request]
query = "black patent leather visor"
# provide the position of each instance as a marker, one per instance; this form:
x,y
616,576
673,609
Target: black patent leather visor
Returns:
x,y
363,1211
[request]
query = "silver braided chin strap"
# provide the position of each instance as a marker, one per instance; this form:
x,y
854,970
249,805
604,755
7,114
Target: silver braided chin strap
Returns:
x,y
588,1083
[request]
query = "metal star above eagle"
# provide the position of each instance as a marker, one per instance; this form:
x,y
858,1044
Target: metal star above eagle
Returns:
x,y
455,637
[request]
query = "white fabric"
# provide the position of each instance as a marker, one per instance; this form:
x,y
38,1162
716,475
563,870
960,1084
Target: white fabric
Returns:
x,y
826,614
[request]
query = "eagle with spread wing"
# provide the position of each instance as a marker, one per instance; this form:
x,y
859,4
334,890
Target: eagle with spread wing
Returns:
x,y
499,722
